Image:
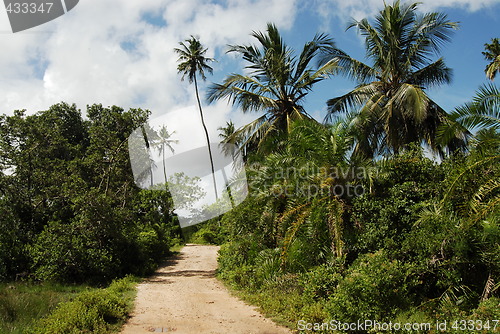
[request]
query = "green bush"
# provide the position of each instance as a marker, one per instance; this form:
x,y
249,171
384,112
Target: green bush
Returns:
x,y
488,309
238,253
375,287
321,282
152,248
237,262
267,265
209,233
247,220
72,252
94,311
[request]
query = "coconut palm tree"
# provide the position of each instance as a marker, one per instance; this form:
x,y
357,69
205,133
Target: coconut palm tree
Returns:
x,y
391,105
226,131
228,142
276,84
492,54
193,63
309,181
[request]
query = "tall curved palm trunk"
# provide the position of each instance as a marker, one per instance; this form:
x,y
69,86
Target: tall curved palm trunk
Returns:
x,y
207,136
194,62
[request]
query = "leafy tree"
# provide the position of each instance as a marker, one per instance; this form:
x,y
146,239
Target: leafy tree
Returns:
x,y
492,54
277,83
68,201
394,109
194,62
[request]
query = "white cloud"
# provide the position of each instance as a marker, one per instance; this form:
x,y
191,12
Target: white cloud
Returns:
x,y
359,9
111,52
470,5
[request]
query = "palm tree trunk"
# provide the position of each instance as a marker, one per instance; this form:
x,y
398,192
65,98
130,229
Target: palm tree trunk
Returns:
x,y
228,187
164,165
151,172
206,135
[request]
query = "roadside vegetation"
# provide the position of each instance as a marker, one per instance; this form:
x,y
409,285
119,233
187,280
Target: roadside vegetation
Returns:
x,y
352,220
62,308
22,303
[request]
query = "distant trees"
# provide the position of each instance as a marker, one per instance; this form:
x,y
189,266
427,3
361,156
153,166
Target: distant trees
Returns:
x,y
162,143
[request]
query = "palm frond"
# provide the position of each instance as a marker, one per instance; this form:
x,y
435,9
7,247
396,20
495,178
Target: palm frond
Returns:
x,y
321,44
483,111
478,205
309,78
247,92
434,74
411,101
351,100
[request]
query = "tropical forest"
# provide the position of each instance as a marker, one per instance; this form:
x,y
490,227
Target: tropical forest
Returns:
x,y
384,213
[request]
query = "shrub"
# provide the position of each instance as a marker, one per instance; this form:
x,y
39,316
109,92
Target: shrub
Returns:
x,y
488,309
267,264
151,250
237,261
238,253
210,233
94,311
320,282
375,287
70,252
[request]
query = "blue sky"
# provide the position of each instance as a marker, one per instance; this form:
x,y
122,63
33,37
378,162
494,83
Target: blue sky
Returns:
x,y
462,54
121,52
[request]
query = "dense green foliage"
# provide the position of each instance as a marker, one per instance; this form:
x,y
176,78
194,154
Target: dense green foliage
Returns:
x,y
352,220
407,252
70,208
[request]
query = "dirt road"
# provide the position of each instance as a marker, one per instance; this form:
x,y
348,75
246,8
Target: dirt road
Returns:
x,y
185,297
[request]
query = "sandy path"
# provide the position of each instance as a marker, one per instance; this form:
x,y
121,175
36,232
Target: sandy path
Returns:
x,y
185,297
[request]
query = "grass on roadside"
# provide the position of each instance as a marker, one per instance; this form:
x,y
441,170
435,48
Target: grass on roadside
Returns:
x,y
64,308
22,303
92,311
